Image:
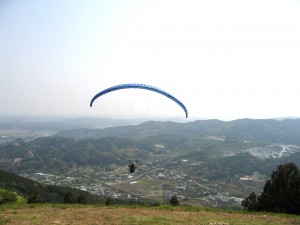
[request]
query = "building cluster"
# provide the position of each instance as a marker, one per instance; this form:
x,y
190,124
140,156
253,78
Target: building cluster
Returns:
x,y
171,182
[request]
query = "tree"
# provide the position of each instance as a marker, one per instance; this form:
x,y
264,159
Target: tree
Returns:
x,y
108,201
7,196
250,202
81,199
69,198
174,200
281,193
35,198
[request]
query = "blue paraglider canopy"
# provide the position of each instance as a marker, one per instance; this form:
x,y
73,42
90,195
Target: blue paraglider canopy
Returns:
x,y
141,86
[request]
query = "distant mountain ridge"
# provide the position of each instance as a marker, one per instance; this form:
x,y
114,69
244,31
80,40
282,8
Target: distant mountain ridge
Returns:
x,y
281,131
112,147
203,152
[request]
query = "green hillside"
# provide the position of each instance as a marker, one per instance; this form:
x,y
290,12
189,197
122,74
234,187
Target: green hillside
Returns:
x,y
45,193
201,161
267,130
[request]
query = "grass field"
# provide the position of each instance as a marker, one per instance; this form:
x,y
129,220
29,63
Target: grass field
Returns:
x,y
91,215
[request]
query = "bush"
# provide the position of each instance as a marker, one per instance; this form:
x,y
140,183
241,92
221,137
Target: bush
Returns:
x,y
81,199
250,202
35,199
7,196
174,201
108,201
69,198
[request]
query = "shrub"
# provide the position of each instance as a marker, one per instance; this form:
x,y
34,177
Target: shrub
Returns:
x,y
7,196
174,200
69,198
81,199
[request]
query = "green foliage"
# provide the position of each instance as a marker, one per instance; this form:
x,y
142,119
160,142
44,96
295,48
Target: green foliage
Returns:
x,y
7,196
285,131
200,140
174,200
35,198
36,192
280,194
108,201
21,199
69,198
250,202
81,199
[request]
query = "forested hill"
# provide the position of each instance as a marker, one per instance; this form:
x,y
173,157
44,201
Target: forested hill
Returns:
x,y
210,151
110,148
268,130
42,193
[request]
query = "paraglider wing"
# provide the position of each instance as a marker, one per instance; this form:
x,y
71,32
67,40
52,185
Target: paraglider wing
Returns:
x,y
141,86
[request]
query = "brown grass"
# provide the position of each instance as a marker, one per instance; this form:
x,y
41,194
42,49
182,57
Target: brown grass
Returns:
x,y
129,215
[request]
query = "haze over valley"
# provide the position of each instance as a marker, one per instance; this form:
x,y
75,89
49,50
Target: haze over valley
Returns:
x,y
204,162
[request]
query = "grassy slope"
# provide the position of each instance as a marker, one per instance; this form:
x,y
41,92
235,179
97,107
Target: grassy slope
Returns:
x,y
77,214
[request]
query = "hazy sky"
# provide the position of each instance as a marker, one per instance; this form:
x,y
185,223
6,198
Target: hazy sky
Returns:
x,y
223,59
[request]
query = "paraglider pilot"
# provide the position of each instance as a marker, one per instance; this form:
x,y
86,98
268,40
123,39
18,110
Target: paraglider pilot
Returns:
x,y
132,167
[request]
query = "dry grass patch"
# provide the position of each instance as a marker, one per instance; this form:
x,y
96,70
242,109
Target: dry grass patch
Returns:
x,y
140,215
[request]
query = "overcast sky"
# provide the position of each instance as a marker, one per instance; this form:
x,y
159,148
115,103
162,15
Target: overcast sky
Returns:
x,y
223,59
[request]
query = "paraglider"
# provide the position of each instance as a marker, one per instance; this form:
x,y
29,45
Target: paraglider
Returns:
x,y
132,166
141,86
